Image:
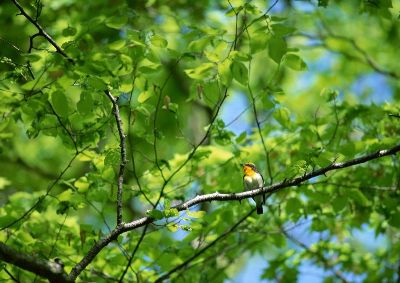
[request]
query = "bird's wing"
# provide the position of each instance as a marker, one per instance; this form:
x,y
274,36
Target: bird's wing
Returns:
x,y
260,181
245,185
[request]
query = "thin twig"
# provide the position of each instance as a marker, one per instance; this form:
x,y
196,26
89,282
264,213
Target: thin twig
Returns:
x,y
121,279
57,236
64,127
123,160
11,276
42,32
263,16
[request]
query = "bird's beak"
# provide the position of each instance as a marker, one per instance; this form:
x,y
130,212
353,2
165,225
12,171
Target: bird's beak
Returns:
x,y
241,164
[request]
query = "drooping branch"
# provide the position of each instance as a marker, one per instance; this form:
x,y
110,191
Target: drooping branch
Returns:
x,y
53,271
227,197
42,32
123,161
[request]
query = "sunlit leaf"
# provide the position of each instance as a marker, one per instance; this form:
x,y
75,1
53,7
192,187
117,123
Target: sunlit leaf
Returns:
x,y
294,62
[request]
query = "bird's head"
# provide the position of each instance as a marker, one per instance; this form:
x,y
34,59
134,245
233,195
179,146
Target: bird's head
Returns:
x,y
249,169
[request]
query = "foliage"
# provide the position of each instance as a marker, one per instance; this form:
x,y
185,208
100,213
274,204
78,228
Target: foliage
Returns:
x,y
320,83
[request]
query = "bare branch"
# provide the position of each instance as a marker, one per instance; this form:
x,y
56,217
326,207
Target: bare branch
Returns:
x,y
226,197
53,271
42,32
123,155
64,127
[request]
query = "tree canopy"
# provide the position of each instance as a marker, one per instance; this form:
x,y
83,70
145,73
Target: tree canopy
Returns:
x,y
124,123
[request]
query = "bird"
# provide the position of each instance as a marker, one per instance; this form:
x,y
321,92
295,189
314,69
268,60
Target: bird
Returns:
x,y
252,180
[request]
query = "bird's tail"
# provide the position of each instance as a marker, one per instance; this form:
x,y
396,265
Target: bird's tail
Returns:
x,y
259,209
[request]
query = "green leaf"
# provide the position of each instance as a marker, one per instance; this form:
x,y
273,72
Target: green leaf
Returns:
x,y
293,205
144,95
186,227
339,203
69,31
294,62
34,84
203,71
323,3
155,213
259,42
86,103
117,45
277,48
172,212
96,83
173,227
150,68
225,72
241,138
200,44
4,182
240,56
158,41
112,157
31,57
82,184
282,30
395,219
60,103
195,214
116,22
63,207
358,197
329,93
240,72
282,115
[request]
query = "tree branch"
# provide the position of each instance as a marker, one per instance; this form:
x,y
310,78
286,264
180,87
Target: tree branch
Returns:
x,y
53,271
226,197
123,155
42,32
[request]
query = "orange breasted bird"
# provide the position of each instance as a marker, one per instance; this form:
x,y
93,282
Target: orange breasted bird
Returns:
x,y
252,180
